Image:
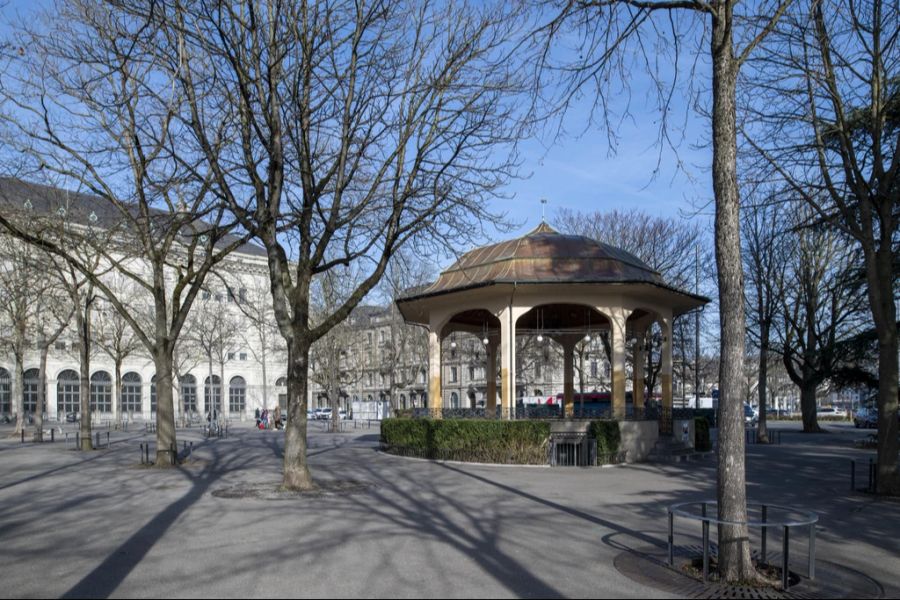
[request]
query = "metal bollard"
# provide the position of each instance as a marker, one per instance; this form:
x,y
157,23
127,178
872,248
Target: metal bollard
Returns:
x,y
191,452
78,440
762,551
107,440
671,539
52,435
705,550
785,559
148,453
97,444
142,453
23,435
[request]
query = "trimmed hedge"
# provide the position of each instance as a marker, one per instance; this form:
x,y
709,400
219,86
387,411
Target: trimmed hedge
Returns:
x,y
472,440
702,443
608,437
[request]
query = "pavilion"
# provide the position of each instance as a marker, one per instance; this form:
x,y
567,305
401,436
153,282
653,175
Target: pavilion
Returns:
x,y
557,286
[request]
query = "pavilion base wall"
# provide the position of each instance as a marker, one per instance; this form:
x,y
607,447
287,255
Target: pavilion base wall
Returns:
x,y
638,439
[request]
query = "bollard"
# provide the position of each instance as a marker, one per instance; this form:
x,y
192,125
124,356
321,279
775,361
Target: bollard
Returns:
x,y
705,550
23,435
191,453
148,453
762,551
52,435
671,539
172,453
97,444
785,561
78,440
107,440
142,453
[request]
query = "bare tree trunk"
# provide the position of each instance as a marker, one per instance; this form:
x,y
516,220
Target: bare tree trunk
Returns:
x,y
808,407
18,390
879,275
296,471
117,407
165,410
42,394
762,432
83,320
734,545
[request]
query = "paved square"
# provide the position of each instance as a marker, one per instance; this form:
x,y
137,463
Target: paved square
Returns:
x,y
75,525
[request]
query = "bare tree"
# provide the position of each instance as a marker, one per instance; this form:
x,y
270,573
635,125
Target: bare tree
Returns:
x,y
764,264
611,37
338,133
21,284
261,337
214,330
826,120
92,102
114,337
820,311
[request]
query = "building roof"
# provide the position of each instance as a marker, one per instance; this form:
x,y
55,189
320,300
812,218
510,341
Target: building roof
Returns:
x,y
46,200
541,256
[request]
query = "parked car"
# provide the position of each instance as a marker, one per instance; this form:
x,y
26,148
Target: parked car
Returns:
x,y
73,417
323,414
829,411
751,417
866,418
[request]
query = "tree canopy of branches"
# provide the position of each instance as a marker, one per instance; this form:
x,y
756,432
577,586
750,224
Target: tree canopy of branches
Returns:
x,y
86,105
338,132
823,121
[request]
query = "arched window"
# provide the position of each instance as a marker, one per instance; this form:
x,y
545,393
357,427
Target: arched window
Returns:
x,y
131,393
68,392
454,400
237,395
370,398
282,393
101,392
30,385
5,393
412,400
153,394
213,390
189,393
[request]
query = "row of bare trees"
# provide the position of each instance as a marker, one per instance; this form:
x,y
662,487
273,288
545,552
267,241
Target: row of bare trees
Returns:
x,y
336,134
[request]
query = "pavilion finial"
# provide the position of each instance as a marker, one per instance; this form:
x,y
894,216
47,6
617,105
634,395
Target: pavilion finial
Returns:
x,y
543,204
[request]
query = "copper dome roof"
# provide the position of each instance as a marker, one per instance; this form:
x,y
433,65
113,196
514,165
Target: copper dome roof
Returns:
x,y
542,256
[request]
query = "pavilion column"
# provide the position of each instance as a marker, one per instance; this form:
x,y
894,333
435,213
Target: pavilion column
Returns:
x,y
640,363
435,389
507,362
618,317
665,371
568,344
490,375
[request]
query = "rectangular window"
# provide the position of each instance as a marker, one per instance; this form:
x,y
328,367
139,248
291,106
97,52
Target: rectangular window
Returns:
x,y
537,369
471,373
206,295
242,295
231,356
594,368
243,356
60,345
453,375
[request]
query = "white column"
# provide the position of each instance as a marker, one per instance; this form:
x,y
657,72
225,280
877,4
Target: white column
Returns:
x,y
507,362
490,375
640,364
618,318
435,389
665,371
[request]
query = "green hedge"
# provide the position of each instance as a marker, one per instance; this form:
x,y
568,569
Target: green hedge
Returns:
x,y
608,439
702,442
509,442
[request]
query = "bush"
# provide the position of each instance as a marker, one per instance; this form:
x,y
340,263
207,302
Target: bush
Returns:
x,y
509,442
608,439
702,442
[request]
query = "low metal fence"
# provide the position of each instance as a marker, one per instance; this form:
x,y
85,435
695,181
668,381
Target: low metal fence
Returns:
x,y
790,518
